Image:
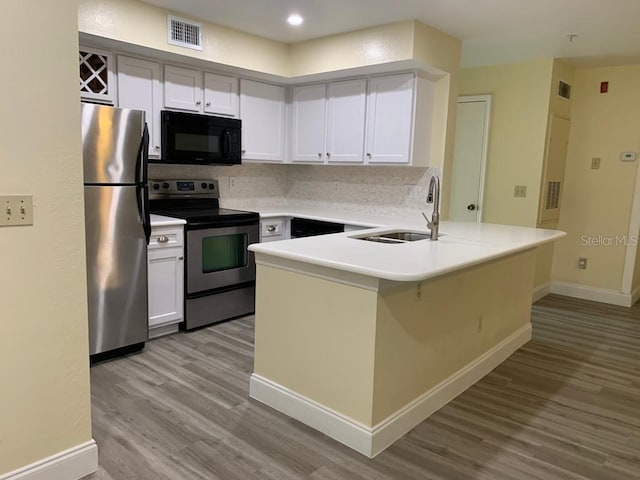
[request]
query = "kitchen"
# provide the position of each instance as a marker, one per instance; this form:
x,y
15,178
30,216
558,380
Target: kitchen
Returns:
x,y
68,268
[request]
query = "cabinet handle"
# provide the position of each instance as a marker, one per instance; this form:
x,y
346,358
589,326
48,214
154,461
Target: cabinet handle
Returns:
x,y
180,258
157,147
319,155
243,152
328,155
163,239
198,102
208,104
271,228
368,155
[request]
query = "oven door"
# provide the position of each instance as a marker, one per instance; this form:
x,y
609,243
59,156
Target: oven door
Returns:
x,y
218,257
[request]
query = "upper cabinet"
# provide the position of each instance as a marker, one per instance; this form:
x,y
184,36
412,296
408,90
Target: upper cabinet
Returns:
x,y
262,110
97,82
346,121
389,119
308,124
195,91
328,122
220,95
140,88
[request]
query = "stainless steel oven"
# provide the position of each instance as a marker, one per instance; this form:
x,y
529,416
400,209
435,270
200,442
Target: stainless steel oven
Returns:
x,y
220,272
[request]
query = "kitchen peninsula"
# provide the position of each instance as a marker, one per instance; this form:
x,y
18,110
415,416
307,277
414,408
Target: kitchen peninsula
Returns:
x,y
363,340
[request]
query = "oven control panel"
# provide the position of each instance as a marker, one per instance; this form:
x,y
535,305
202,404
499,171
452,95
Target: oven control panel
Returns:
x,y
165,188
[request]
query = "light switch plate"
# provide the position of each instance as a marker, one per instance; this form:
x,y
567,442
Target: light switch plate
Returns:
x,y
520,191
16,210
595,163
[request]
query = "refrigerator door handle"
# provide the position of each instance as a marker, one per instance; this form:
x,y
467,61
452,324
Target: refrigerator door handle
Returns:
x,y
143,207
143,158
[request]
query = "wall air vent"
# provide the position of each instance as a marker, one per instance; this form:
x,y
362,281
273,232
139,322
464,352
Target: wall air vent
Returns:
x,y
183,33
564,90
553,195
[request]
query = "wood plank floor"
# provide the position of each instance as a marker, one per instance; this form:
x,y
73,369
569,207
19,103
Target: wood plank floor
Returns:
x,y
565,406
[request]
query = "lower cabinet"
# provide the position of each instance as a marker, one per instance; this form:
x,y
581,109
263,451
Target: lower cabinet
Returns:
x,y
275,228
166,280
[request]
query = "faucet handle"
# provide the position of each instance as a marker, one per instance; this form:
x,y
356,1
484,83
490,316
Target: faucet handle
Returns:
x,y
426,218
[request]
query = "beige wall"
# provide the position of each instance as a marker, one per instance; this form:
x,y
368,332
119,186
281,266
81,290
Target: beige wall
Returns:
x,y
145,25
597,203
45,403
517,133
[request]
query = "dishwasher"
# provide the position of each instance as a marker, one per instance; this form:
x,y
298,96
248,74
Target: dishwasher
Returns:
x,y
304,227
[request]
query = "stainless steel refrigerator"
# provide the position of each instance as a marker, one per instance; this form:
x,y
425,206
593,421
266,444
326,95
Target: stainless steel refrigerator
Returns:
x,y
114,148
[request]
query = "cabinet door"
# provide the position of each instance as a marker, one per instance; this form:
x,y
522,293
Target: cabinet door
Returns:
x,y
389,119
345,121
166,286
139,87
182,88
262,110
309,120
220,95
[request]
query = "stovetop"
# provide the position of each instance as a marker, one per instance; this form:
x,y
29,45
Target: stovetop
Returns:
x,y
195,201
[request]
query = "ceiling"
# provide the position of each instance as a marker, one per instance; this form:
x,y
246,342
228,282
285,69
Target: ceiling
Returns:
x,y
493,31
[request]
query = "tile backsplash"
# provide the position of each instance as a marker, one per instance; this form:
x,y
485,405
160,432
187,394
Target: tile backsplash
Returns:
x,y
384,190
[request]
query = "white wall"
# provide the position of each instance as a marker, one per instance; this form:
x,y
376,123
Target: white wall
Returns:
x,y
44,369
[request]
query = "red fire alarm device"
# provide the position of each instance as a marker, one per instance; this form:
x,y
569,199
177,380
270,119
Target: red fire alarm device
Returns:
x,y
604,87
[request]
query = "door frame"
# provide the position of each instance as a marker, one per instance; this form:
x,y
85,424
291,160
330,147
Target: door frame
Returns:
x,y
485,145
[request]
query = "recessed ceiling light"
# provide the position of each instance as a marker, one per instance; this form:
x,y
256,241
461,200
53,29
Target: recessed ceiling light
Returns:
x,y
295,19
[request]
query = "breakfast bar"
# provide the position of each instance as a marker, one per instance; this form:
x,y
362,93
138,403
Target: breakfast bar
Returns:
x,y
362,340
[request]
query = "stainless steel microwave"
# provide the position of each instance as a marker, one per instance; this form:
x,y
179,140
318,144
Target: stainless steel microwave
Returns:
x,y
192,139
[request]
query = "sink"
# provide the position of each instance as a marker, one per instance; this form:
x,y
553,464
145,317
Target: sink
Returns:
x,y
395,237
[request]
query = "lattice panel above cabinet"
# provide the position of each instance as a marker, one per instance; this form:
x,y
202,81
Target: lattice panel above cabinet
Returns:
x,y
96,75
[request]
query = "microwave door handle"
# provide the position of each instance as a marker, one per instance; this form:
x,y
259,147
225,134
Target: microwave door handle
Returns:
x,y
225,143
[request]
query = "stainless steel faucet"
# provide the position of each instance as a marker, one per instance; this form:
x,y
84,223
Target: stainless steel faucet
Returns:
x,y
433,197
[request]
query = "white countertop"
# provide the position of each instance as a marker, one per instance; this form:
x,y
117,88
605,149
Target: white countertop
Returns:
x,y
461,246
162,221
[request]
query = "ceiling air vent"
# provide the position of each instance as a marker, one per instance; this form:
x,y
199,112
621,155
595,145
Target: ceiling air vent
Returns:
x,y
564,90
183,33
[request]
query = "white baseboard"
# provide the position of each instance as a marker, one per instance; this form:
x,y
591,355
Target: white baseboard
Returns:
x,y
371,441
541,291
71,464
592,293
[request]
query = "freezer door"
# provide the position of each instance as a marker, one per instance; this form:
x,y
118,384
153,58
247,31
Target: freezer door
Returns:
x,y
112,144
116,268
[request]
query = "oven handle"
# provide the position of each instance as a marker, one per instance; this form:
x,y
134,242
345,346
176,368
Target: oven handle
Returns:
x,y
221,224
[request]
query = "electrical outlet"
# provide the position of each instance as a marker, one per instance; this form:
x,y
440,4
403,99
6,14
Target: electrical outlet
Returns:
x,y
16,210
412,191
595,163
520,191
232,183
582,263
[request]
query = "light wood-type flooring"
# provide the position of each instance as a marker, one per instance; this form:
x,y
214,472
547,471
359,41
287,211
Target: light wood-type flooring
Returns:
x,y
565,406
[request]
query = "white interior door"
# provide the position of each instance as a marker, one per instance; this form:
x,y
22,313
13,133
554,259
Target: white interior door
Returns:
x,y
469,158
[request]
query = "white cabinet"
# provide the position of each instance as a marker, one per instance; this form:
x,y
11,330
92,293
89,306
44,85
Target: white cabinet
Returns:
x,y
182,88
346,102
195,91
220,95
328,122
309,121
275,228
389,119
262,110
140,88
166,280
97,82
